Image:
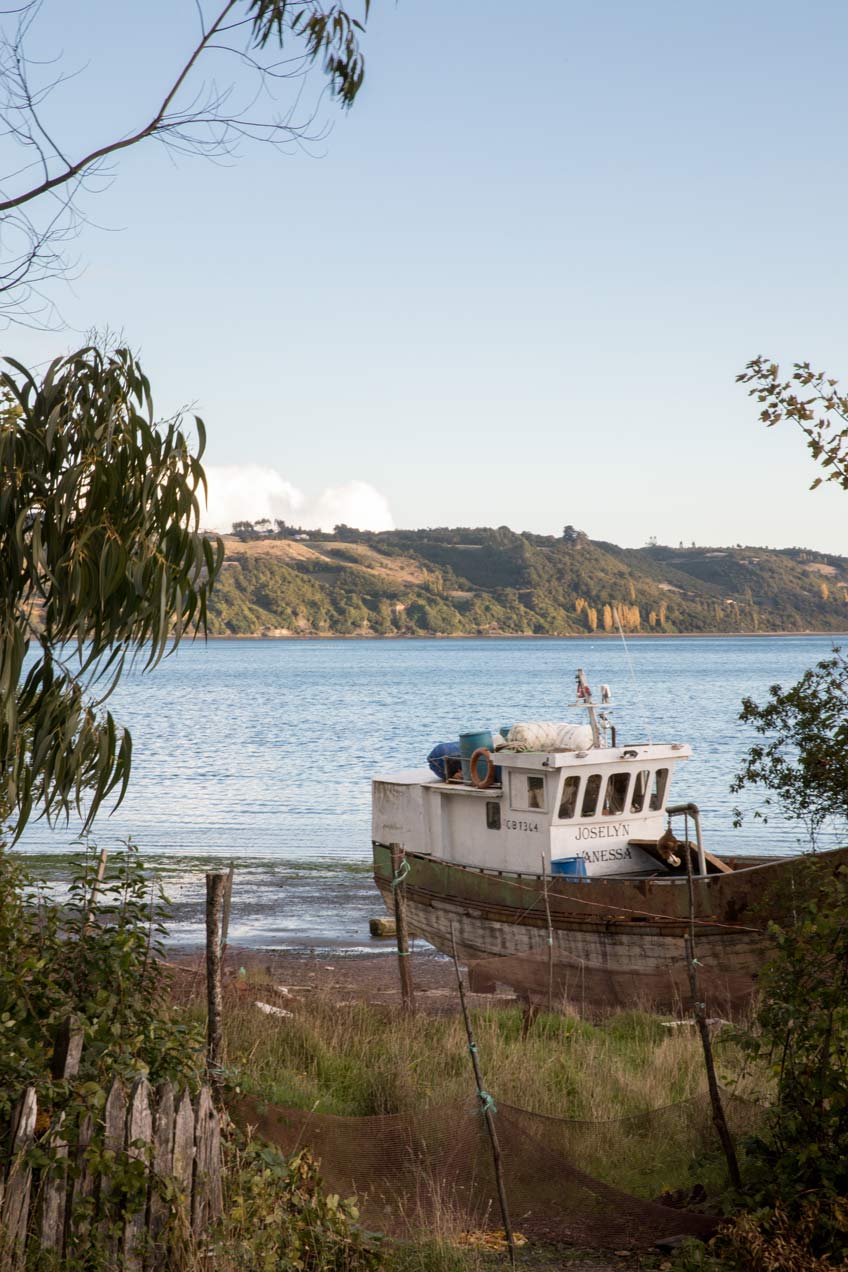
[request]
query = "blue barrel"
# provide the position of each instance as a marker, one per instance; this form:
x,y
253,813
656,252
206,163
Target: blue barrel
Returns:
x,y
468,744
571,867
440,759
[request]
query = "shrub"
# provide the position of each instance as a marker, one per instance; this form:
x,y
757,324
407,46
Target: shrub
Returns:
x,y
279,1217
798,1176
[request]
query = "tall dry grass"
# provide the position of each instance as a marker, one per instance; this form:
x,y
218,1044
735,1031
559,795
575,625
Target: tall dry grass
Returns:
x,y
360,1060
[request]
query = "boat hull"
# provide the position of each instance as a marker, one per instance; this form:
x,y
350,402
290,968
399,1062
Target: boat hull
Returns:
x,y
613,942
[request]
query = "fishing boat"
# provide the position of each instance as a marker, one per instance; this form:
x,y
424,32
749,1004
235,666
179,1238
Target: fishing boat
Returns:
x,y
548,856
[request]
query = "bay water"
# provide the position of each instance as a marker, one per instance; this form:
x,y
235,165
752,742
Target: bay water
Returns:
x,y
262,752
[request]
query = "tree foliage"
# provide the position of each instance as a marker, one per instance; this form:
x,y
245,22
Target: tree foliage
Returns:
x,y
464,581
813,402
798,1164
101,560
96,957
802,762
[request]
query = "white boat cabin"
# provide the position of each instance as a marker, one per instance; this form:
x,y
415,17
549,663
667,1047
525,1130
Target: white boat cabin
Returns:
x,y
585,813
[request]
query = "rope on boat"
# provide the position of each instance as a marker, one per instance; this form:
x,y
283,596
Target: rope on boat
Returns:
x,y
403,870
618,909
623,910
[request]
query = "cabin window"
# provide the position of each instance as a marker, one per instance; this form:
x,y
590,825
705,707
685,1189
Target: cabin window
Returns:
x,y
615,798
640,790
493,815
590,795
536,792
527,792
568,800
658,789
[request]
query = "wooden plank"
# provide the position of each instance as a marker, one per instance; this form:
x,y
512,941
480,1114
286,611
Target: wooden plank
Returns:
x,y
216,1186
139,1149
67,1051
114,1133
81,1202
183,1162
16,1198
206,1198
163,1164
51,1222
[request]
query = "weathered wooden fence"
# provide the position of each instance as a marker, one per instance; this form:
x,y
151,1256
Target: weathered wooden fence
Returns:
x,y
58,1205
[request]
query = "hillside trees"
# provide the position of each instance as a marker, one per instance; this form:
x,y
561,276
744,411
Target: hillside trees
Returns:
x,y
222,91
101,562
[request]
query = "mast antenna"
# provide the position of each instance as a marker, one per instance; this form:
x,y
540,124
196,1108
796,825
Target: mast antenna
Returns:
x,y
637,693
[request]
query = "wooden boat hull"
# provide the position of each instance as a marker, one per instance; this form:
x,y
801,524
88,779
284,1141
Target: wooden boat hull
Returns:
x,y
614,942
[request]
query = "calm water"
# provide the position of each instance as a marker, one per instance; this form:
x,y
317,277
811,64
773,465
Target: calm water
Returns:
x,y
262,751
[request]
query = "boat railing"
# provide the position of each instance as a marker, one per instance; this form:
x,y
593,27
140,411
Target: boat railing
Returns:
x,y
693,811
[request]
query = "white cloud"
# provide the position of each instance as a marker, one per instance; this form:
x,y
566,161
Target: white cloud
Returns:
x,y
251,492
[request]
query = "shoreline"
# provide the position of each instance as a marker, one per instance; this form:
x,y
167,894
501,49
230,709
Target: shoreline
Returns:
x,y
529,636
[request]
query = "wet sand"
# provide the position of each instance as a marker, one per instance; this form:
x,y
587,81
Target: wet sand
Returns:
x,y
345,978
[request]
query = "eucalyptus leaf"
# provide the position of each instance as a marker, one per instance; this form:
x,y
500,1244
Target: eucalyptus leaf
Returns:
x,y
100,545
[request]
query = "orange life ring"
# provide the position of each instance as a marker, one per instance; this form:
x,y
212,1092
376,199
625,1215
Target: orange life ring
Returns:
x,y
482,783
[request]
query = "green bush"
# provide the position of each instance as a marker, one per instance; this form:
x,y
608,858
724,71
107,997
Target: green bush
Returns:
x,y
101,967
797,1167
280,1218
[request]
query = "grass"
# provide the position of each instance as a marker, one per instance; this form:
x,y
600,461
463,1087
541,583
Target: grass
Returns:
x,y
357,1060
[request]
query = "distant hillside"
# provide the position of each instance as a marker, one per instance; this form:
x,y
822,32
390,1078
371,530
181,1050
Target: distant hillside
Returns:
x,y
461,582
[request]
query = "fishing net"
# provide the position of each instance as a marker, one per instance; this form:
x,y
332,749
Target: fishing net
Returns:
x,y
592,990
566,944
433,1171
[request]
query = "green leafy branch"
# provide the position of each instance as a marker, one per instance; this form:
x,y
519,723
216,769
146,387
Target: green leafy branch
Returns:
x,y
101,560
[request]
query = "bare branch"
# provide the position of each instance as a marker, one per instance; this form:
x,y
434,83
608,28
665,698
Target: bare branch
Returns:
x,y
211,123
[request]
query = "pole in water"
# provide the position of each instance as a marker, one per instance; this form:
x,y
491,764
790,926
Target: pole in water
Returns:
x,y
487,1106
699,1012
400,869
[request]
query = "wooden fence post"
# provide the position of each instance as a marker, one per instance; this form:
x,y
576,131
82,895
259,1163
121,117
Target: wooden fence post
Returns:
x,y
139,1148
181,1143
81,1196
215,881
400,869
183,1166
207,1200
15,1210
67,1052
114,1134
51,1219
163,1166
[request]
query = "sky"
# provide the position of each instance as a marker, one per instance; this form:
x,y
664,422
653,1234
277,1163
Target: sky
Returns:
x,y
512,286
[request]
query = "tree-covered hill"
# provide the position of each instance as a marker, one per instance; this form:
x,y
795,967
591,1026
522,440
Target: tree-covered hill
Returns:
x,y
460,582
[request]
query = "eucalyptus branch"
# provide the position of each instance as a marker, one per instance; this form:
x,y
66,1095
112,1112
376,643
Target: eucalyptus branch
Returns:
x,y
212,122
